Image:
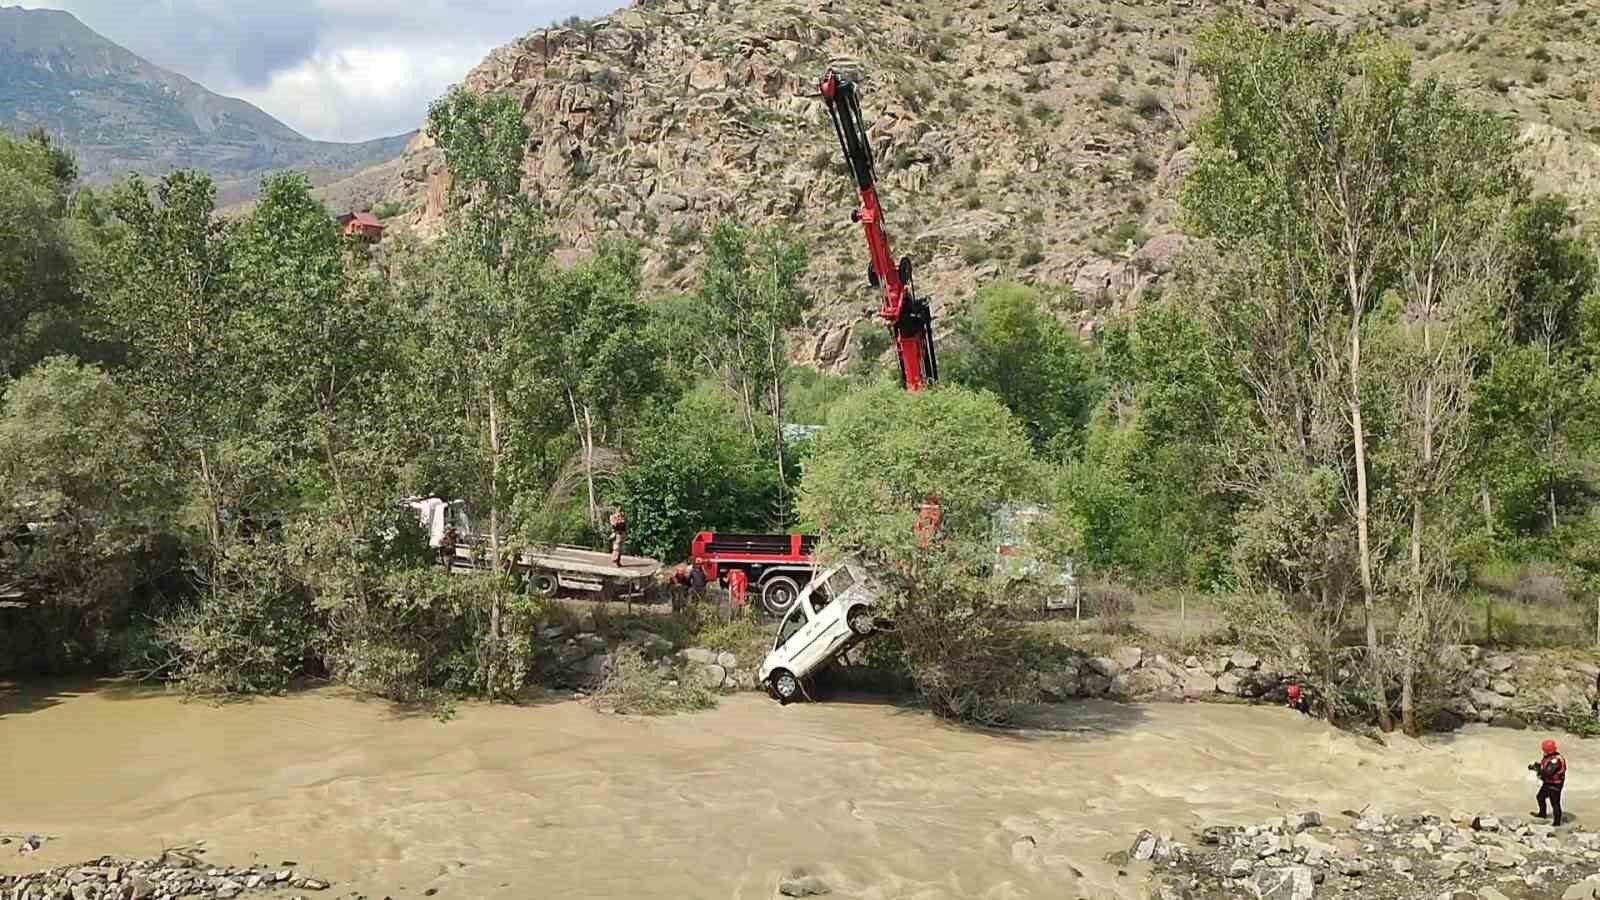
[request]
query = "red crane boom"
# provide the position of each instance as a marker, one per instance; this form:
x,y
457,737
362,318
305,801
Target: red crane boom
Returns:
x,y
908,315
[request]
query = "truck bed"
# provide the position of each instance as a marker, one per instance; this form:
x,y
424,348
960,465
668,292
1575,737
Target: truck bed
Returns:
x,y
564,558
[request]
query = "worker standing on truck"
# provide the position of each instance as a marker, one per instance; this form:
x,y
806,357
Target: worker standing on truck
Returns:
x,y
447,548
619,529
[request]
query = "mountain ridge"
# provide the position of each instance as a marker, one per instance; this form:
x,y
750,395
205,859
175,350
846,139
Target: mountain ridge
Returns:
x,y
121,113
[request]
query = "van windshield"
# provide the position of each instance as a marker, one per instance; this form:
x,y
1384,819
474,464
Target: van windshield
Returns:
x,y
792,624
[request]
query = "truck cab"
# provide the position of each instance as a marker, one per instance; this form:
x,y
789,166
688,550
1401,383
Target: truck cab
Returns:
x,y
832,613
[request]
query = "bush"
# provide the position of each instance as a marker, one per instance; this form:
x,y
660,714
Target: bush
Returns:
x,y
976,251
1111,95
254,629
1149,105
865,482
1143,166
1038,55
636,686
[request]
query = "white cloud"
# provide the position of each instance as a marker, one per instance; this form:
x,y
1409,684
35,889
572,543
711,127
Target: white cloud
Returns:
x,y
358,93
345,70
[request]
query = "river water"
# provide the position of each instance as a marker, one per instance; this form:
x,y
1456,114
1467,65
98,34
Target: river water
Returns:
x,y
559,800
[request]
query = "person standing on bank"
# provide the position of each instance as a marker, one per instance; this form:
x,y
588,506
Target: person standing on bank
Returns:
x,y
1552,772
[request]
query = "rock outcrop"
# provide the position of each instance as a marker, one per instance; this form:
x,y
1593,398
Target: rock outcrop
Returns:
x,y
1034,139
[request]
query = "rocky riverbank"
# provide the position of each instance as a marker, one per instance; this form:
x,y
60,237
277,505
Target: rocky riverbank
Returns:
x,y
1416,857
1513,689
172,875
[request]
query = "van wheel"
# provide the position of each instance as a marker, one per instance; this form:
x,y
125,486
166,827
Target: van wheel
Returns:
x,y
544,583
778,594
785,686
860,621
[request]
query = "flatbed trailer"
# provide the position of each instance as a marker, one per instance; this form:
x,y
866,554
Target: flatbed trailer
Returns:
x,y
557,568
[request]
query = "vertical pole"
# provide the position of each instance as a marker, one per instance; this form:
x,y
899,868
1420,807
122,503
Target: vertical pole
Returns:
x,y
1183,614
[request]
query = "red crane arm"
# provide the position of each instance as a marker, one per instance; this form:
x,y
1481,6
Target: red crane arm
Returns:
x,y
909,317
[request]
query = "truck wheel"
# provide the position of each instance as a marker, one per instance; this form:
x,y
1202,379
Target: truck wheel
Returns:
x,y
860,621
785,686
545,583
778,594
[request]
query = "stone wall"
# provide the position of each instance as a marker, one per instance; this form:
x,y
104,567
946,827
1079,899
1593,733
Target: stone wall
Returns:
x,y
1130,673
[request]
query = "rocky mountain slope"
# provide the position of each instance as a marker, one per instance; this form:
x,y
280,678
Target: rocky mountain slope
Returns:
x,y
1038,139
120,113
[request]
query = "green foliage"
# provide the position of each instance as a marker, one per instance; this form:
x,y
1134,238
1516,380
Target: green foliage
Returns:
x,y
1012,346
869,472
694,469
254,629
38,294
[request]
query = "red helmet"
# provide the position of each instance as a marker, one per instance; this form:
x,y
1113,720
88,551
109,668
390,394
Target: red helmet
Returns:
x,y
1549,746
1294,692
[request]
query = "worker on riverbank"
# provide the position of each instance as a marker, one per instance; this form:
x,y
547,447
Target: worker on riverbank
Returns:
x,y
697,580
619,530
1552,772
1299,699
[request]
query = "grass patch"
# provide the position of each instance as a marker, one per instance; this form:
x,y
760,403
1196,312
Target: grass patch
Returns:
x,y
1111,95
1149,105
742,635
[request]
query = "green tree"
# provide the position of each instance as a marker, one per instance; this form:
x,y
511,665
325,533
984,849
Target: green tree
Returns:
x,y
74,457
164,290
494,266
693,468
598,351
321,343
1532,427
750,295
37,266
1011,345
1320,156
883,452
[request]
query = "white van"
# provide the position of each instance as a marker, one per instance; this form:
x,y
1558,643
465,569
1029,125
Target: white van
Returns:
x,y
832,614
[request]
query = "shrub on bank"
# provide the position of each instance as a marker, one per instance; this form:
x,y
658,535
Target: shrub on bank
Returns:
x,y
636,686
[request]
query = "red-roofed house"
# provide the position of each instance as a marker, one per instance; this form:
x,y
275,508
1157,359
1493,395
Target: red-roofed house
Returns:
x,y
363,225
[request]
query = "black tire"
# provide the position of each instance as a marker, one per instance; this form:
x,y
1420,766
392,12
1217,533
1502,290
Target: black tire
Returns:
x,y
861,621
778,594
785,686
544,583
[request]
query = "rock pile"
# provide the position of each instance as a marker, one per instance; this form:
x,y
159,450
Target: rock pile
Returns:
x,y
582,659
174,874
1130,673
1420,857
1516,689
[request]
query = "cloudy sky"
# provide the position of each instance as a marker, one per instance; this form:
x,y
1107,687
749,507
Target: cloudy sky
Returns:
x,y
335,70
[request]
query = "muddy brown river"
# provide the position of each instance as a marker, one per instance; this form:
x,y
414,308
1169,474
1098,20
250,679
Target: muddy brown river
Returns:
x,y
558,800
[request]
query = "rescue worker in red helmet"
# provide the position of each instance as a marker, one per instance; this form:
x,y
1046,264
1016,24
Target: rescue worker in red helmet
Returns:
x,y
1552,772
1299,700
